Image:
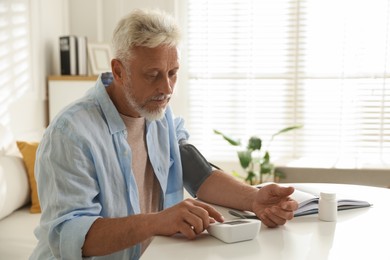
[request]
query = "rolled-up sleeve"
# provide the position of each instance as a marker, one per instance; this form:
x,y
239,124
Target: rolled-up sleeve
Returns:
x,y
71,244
67,186
83,172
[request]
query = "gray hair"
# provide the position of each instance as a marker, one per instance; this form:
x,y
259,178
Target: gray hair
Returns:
x,y
145,28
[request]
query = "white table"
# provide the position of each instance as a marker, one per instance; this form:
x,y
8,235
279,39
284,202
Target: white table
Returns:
x,y
358,234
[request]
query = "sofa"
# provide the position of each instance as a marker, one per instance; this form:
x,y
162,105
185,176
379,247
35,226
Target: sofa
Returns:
x,y
19,205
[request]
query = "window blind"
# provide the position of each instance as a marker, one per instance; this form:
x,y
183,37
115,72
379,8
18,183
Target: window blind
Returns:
x,y
255,67
15,68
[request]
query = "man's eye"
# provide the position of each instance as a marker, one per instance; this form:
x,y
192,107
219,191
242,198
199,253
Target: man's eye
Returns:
x,y
152,75
172,73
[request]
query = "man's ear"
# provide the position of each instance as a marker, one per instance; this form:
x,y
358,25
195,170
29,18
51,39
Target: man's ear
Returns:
x,y
117,69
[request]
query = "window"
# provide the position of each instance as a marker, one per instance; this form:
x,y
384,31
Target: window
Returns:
x,y
255,67
15,77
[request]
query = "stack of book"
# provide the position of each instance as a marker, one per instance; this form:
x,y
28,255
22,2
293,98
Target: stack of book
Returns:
x,y
73,55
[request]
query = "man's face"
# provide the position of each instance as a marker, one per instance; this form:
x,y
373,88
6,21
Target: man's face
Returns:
x,y
150,79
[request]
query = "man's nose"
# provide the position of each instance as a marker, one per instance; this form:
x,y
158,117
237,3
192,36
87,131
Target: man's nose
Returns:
x,y
167,85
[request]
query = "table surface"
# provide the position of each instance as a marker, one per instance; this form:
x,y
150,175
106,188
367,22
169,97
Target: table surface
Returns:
x,y
357,234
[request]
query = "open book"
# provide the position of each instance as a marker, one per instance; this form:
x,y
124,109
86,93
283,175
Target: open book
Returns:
x,y
307,198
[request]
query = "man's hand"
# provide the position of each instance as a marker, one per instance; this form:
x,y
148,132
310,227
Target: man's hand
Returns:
x,y
273,206
189,217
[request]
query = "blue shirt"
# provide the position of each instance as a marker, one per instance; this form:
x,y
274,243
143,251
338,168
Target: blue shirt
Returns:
x,y
83,171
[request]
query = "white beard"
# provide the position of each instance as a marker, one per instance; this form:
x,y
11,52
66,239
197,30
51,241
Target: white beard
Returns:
x,y
148,115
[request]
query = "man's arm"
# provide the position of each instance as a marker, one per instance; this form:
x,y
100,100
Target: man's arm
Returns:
x,y
108,235
271,203
222,189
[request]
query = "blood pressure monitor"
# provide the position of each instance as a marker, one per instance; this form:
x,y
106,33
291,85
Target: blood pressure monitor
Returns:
x,y
235,230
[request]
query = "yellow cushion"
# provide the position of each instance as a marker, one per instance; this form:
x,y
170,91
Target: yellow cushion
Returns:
x,y
28,150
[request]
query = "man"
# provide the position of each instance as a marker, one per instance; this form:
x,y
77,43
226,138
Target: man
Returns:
x,y
110,169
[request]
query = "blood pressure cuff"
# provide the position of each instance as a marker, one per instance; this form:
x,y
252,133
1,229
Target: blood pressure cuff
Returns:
x,y
196,168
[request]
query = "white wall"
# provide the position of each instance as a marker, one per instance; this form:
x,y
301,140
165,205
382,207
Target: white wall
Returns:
x,y
96,19
50,19
28,111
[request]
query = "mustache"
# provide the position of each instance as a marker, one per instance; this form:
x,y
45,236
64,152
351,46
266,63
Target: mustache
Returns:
x,y
160,97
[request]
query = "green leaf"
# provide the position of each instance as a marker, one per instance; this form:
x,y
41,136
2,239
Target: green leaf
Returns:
x,y
266,157
235,142
249,178
266,167
245,158
287,129
254,143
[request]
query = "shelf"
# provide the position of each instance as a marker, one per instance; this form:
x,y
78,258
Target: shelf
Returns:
x,y
69,77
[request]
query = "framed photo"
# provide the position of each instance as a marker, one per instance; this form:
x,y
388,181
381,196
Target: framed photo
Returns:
x,y
99,57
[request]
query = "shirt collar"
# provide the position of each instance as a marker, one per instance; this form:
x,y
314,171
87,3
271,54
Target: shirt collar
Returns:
x,y
111,114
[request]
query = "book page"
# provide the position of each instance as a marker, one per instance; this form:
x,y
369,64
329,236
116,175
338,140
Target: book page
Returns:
x,y
303,197
308,189
307,203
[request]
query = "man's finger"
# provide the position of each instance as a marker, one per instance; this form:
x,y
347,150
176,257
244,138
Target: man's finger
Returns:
x,y
279,215
187,230
203,215
195,223
267,221
211,211
289,205
285,191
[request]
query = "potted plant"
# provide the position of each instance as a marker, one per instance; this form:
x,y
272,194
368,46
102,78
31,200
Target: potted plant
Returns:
x,y
253,161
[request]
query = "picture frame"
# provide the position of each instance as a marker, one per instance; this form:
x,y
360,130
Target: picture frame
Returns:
x,y
100,56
